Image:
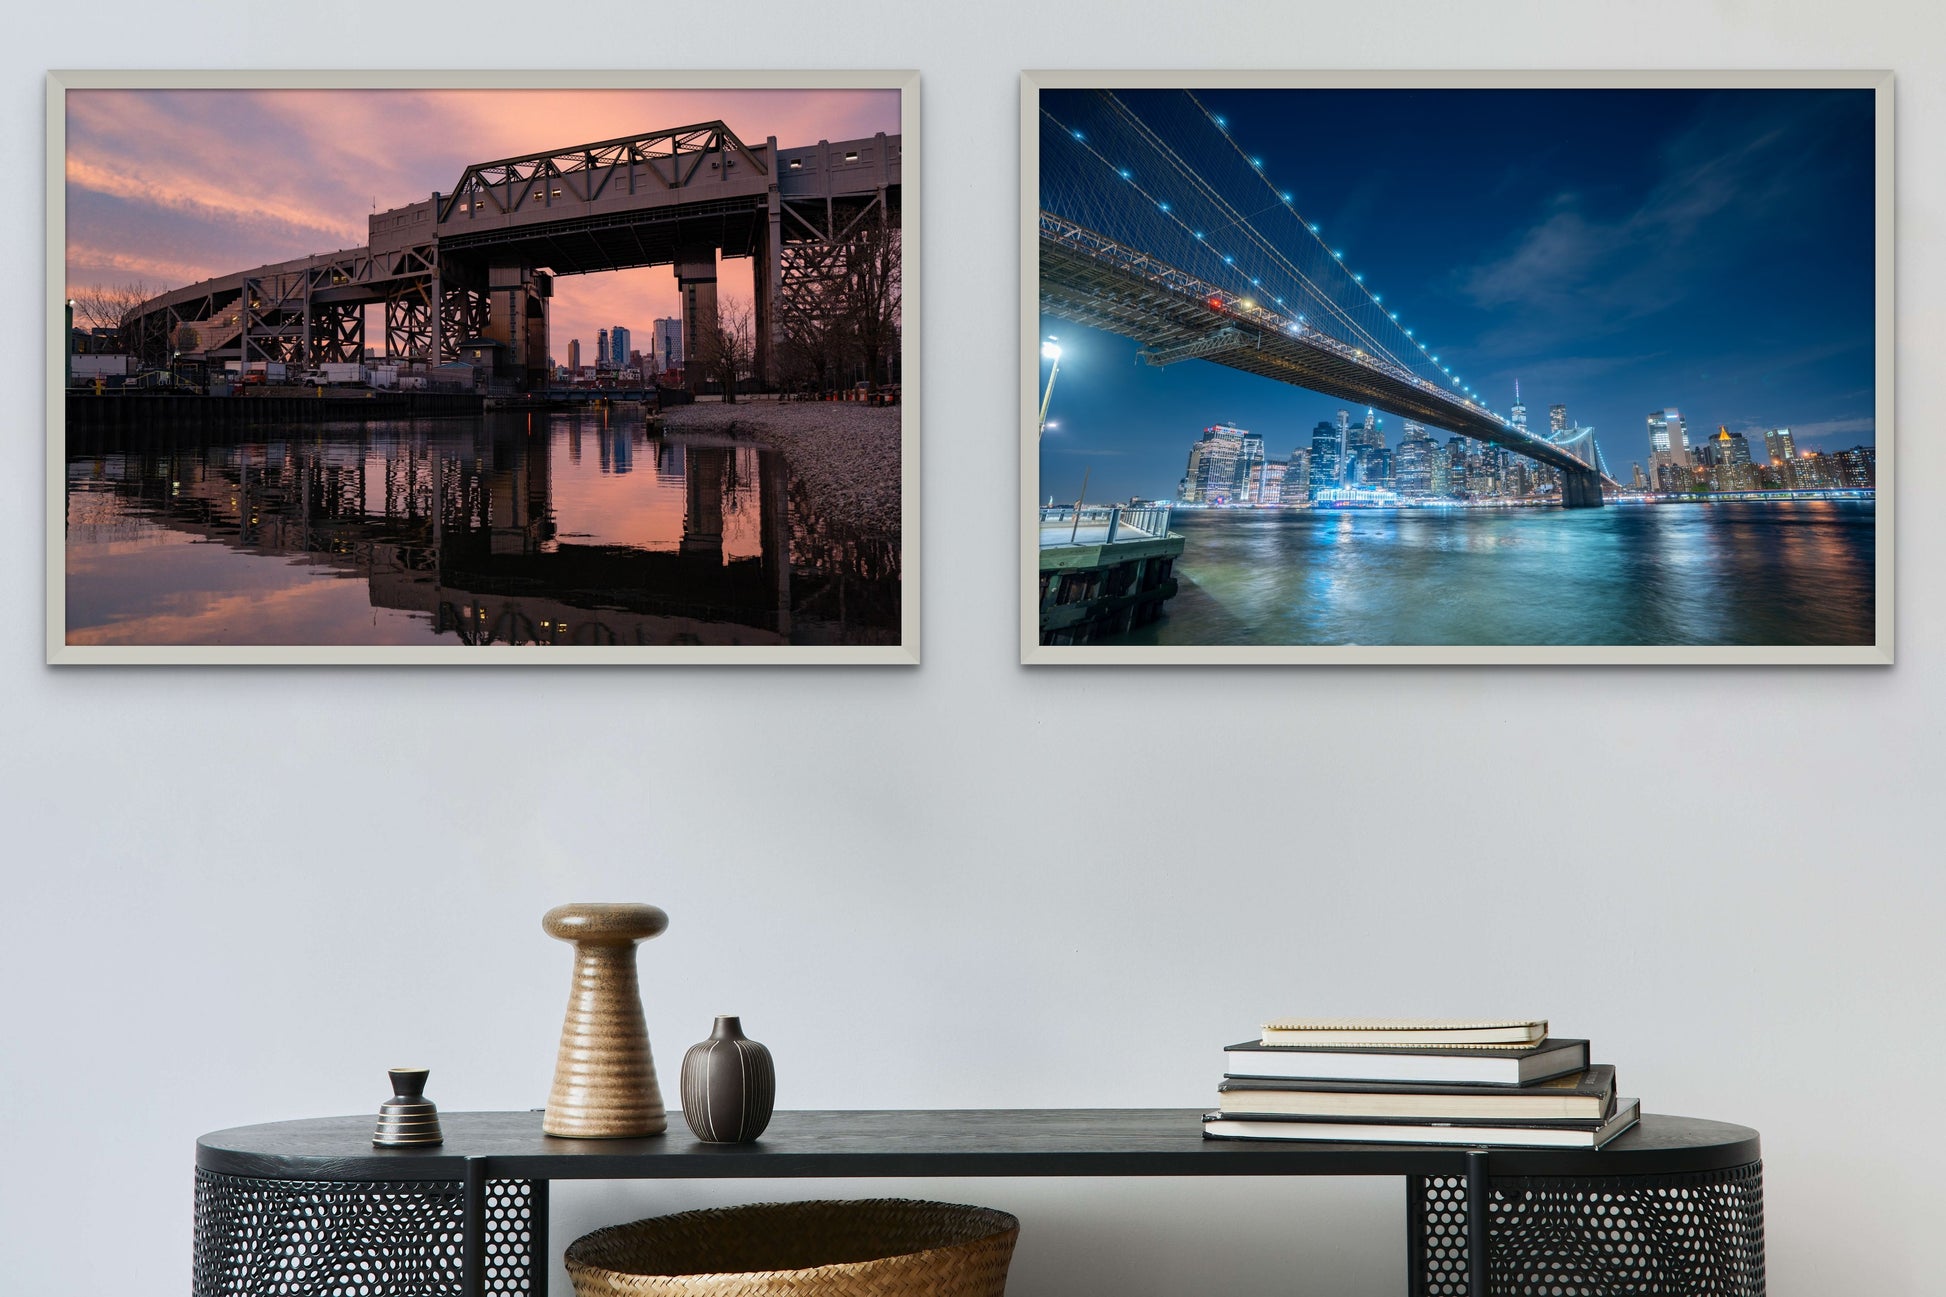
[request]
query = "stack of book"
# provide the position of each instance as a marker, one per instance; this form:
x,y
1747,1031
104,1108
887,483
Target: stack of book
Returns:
x,y
1373,1081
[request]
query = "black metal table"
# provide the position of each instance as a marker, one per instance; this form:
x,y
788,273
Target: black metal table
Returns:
x,y
303,1208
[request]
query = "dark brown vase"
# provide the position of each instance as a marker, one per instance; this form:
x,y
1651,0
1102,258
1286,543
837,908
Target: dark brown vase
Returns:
x,y
728,1086
408,1117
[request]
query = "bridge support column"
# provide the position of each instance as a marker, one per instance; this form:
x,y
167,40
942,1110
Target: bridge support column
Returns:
x,y
766,273
436,342
517,297
696,282
1580,489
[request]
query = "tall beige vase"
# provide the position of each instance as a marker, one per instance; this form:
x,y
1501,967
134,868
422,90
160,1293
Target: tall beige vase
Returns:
x,y
604,1078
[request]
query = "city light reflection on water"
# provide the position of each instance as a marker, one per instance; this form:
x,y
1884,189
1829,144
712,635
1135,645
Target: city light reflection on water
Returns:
x,y
572,528
1744,573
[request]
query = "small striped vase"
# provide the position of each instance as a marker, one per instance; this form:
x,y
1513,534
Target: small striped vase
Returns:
x,y
728,1086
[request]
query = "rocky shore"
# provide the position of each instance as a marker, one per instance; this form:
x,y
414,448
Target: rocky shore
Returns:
x,y
844,456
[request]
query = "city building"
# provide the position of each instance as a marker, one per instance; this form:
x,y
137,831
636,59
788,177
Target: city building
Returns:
x,y
1557,418
1250,469
1439,472
1669,450
1412,462
1370,466
617,345
1780,448
1518,415
602,360
1215,471
1327,455
1297,477
1369,435
574,355
666,343
1270,487
1857,468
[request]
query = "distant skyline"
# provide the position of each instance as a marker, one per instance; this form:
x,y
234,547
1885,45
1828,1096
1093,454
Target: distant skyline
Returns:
x,y
171,186
1615,251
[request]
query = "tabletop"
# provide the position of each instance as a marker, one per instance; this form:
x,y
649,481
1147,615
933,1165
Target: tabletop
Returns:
x,y
930,1143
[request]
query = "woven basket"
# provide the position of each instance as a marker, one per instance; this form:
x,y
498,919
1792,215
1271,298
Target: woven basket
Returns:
x,y
878,1247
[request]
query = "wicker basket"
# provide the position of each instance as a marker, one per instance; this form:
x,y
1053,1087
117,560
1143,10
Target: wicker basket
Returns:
x,y
879,1247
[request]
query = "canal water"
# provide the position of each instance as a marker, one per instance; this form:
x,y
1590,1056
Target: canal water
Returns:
x,y
1740,573
568,528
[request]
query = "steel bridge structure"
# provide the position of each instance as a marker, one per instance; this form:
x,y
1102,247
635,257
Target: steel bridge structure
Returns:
x,y
1157,226
474,266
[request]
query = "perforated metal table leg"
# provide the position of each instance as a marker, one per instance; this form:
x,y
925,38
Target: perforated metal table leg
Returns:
x,y
1695,1234
317,1238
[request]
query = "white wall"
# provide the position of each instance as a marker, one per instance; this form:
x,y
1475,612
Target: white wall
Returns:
x,y
239,896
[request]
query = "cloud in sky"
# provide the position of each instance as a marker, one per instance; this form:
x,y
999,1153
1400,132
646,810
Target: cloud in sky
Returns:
x,y
169,187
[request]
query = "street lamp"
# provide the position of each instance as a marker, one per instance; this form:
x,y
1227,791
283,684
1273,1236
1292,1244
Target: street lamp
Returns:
x,y
1051,350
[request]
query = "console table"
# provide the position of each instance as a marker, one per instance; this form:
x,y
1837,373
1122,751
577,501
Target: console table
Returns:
x,y
311,1209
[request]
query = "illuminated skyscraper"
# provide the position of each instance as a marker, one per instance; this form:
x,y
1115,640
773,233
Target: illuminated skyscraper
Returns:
x,y
1369,435
1270,482
1296,487
1557,418
1214,472
1250,469
1518,415
1780,446
1327,454
1412,465
1857,467
1668,450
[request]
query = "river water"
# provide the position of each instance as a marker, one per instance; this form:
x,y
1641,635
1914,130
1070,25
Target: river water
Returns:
x,y
1740,573
570,528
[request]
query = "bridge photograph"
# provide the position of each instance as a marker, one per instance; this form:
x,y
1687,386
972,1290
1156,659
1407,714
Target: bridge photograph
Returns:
x,y
1414,371
518,296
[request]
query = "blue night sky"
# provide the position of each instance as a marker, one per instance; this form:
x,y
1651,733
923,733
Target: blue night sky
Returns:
x,y
1616,251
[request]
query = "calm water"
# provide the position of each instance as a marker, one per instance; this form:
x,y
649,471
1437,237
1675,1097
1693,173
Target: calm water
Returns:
x,y
1784,573
574,528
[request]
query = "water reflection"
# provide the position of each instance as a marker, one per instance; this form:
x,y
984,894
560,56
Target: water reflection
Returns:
x,y
487,531
1749,573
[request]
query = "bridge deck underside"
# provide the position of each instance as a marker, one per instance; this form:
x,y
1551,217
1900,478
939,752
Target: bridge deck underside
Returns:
x,y
1084,289
619,240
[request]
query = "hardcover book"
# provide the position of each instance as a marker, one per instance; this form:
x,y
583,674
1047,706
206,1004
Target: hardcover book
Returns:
x,y
1578,1096
1562,1135
1338,1032
1440,1066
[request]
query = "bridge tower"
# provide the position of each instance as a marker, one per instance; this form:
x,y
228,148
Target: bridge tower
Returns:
x,y
517,309
696,283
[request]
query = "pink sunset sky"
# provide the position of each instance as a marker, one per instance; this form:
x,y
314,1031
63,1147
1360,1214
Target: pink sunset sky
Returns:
x,y
168,187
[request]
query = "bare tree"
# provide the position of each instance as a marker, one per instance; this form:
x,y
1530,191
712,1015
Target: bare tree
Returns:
x,y
725,348
874,293
106,306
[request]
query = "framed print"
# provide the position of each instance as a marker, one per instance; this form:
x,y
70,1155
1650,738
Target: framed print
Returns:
x,y
1576,367
610,367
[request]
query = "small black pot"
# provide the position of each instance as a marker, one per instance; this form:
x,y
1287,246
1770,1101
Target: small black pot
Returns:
x,y
728,1086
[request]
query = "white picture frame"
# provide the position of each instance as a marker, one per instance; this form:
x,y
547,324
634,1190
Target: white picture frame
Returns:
x,y
905,652
1034,652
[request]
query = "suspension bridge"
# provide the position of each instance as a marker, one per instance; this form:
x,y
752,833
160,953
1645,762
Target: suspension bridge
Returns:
x,y
1158,225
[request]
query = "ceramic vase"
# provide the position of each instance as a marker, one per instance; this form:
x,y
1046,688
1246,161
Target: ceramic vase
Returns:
x,y
728,1086
604,1078
408,1117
